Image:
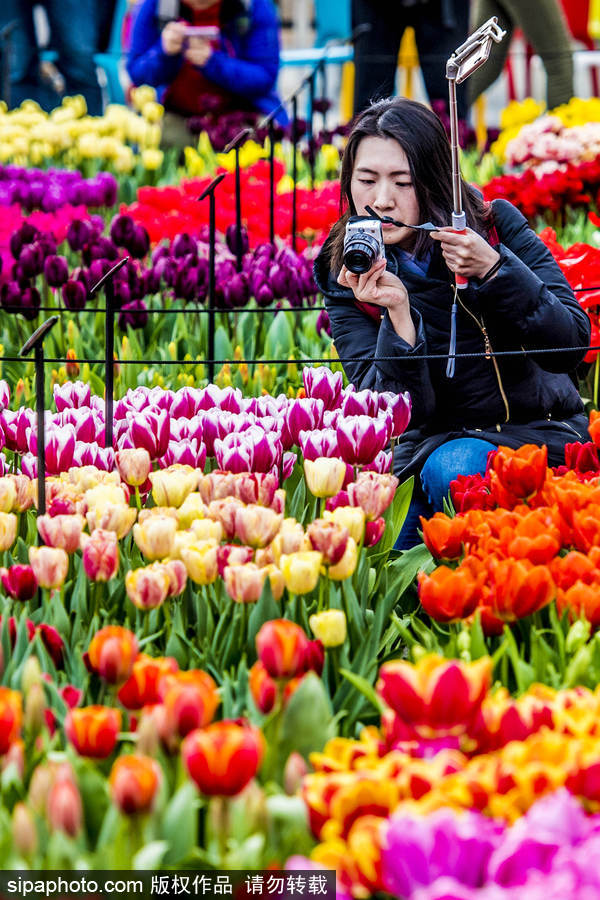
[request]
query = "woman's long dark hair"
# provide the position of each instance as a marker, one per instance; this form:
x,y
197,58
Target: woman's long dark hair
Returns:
x,y
421,135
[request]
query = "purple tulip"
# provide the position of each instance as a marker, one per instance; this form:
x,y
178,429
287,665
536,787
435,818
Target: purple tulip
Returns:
x,y
139,244
231,238
183,244
235,291
10,295
72,395
360,403
264,296
315,444
78,234
301,415
361,438
4,394
30,302
323,384
133,315
56,270
150,429
398,406
31,260
323,325
279,280
186,283
74,294
122,229
97,270
26,234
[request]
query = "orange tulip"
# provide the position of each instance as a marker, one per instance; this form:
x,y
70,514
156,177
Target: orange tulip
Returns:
x,y
93,730
223,758
575,566
594,427
11,717
112,653
536,537
448,595
262,687
518,588
141,688
436,695
282,648
134,783
521,472
581,600
444,536
190,700
586,527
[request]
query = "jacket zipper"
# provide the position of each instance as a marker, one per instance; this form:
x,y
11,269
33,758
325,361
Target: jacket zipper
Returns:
x,y
489,355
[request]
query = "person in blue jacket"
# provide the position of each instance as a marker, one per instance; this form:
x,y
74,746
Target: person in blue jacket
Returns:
x,y
194,75
398,162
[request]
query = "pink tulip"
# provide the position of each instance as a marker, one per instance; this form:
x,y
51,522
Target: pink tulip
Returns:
x,y
331,418
25,420
150,429
399,407
185,403
323,384
267,406
29,465
161,397
252,451
289,461
4,394
8,424
360,403
60,447
207,427
71,395
61,531
189,453
301,415
228,399
316,444
382,463
361,438
100,555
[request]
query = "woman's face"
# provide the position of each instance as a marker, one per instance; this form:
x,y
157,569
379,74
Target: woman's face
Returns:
x,y
381,179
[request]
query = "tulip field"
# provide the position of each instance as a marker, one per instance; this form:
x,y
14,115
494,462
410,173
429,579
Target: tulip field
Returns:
x,y
211,654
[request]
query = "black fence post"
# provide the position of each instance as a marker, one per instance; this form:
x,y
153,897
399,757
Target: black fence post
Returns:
x,y
235,145
36,343
209,192
294,166
109,346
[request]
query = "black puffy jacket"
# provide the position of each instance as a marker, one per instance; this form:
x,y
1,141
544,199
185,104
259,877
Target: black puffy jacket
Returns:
x,y
513,400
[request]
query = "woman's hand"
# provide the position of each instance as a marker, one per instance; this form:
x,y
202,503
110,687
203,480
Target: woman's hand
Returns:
x,y
198,51
466,254
384,289
172,38
375,286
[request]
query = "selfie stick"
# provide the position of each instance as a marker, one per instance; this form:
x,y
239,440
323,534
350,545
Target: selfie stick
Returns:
x,y
463,62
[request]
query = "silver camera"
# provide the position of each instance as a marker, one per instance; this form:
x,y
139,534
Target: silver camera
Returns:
x,y
363,244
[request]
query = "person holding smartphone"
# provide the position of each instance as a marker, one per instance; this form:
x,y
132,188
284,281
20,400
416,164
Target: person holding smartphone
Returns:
x,y
391,322
206,56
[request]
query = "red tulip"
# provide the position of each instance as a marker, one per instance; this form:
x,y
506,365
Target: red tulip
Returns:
x,y
223,758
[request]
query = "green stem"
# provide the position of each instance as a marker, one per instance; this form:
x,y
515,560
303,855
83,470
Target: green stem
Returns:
x,y
138,499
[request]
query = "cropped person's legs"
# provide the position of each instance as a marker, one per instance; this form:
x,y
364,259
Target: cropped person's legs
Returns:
x,y
419,506
463,456
436,40
376,52
74,26
486,75
25,82
544,27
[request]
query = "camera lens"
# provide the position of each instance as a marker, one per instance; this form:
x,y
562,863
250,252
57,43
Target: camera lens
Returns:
x,y
360,252
358,261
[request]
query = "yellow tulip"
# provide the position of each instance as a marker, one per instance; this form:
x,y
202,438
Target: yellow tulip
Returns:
x,y
171,486
324,476
8,530
347,564
155,536
301,570
207,530
152,159
351,517
200,561
191,509
329,627
8,494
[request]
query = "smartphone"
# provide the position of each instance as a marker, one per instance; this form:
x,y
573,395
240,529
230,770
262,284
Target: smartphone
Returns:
x,y
210,32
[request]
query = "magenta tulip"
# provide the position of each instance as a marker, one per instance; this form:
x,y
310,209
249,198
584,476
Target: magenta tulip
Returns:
x,y
361,438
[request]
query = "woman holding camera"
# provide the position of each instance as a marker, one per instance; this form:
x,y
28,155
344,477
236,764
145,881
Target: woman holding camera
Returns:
x,y
194,73
385,320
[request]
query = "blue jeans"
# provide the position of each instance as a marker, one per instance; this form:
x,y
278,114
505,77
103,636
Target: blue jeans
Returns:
x,y
74,29
463,456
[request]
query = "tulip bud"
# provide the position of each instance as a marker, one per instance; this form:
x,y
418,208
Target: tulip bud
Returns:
x,y
200,560
61,531
324,476
577,635
155,536
147,737
100,555
148,587
171,486
50,565
282,647
134,465
93,730
112,653
224,757
64,808
32,674
262,687
347,564
25,835
294,772
8,494
8,530
328,538
329,627
35,706
134,783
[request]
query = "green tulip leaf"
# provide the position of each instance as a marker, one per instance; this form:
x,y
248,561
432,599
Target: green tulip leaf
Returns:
x,y
179,825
